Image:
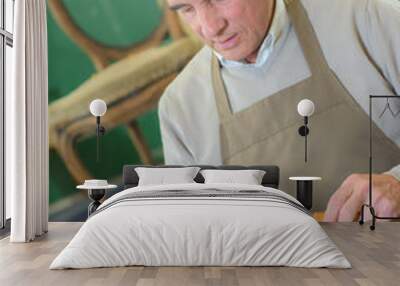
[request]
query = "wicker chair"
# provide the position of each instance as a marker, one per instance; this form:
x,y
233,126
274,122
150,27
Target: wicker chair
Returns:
x,y
130,80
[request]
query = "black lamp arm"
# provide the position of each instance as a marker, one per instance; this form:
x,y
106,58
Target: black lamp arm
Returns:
x,y
304,131
100,130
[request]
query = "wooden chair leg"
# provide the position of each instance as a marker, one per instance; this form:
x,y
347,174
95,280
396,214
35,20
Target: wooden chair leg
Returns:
x,y
71,159
138,141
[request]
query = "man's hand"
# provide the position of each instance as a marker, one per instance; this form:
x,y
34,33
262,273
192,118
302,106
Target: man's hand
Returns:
x,y
345,204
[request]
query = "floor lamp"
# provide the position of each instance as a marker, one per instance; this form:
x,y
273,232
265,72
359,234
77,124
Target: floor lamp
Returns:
x,y
369,205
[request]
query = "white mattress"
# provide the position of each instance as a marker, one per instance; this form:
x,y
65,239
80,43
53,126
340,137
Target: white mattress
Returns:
x,y
200,231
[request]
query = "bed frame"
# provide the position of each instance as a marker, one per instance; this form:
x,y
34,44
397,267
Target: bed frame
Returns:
x,y
271,178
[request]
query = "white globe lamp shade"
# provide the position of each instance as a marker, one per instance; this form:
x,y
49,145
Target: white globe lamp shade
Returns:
x,y
305,107
98,107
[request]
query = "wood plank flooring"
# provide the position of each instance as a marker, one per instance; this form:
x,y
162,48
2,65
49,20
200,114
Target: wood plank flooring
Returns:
x,y
375,257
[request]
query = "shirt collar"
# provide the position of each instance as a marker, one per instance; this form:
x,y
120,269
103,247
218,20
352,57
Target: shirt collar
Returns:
x,y
279,22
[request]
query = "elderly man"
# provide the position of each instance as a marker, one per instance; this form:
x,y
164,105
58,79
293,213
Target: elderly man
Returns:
x,y
235,102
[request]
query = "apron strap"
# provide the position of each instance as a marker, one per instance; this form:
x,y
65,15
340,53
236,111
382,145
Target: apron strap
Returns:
x,y
221,95
308,42
307,38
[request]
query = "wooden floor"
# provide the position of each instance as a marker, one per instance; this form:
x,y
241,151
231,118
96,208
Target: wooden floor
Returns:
x,y
375,257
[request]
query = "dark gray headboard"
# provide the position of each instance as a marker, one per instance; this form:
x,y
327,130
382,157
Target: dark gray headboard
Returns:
x,y
271,179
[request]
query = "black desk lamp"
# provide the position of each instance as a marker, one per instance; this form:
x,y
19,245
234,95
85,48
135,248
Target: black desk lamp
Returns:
x,y
98,108
305,108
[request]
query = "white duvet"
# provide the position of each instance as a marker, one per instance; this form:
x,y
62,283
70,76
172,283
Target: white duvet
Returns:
x,y
200,231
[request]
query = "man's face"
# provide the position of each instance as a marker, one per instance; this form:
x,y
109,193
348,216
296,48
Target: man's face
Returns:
x,y
233,28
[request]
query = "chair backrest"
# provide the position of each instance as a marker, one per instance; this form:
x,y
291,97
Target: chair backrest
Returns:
x,y
102,55
271,178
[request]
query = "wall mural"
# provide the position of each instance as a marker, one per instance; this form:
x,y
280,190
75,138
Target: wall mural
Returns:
x,y
124,52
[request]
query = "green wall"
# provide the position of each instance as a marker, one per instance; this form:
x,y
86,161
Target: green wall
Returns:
x,y
118,23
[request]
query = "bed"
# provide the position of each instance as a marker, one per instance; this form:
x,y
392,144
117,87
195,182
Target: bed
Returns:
x,y
201,223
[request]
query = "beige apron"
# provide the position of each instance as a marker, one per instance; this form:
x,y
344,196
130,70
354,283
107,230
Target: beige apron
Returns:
x,y
267,132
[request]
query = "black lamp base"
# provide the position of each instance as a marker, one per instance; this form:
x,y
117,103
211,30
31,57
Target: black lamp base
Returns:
x,y
304,130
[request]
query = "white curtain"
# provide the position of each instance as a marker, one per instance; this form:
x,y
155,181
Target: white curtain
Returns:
x,y
26,124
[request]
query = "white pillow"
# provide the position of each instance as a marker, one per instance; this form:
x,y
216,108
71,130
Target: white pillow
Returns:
x,y
248,177
162,176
